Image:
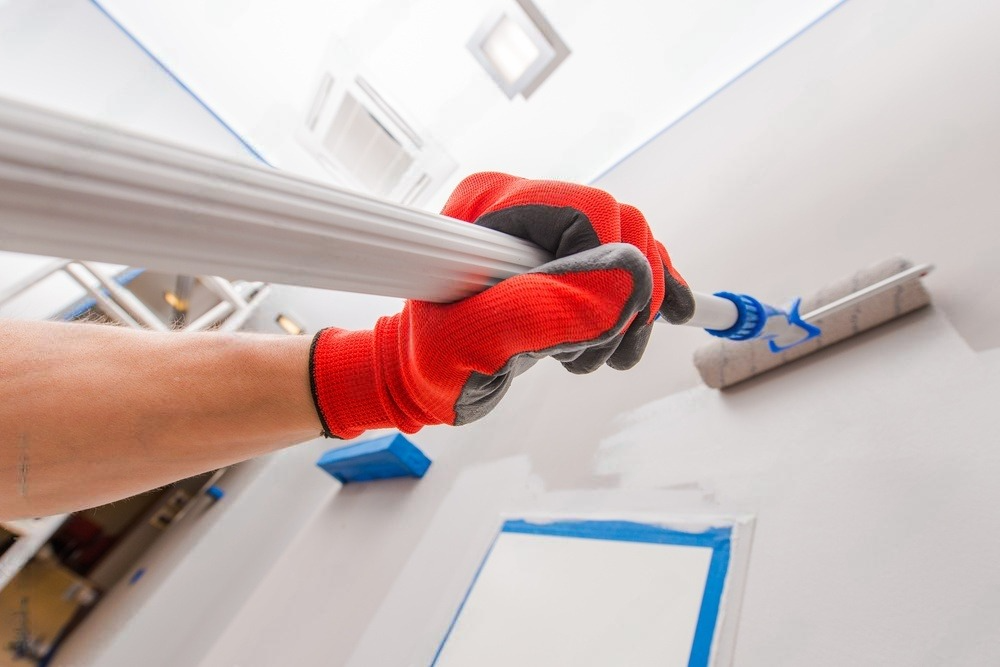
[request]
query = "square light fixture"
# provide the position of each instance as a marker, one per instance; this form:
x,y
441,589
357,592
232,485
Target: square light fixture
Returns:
x,y
518,48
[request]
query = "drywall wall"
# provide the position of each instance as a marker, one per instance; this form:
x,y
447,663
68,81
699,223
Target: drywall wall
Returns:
x,y
66,55
871,467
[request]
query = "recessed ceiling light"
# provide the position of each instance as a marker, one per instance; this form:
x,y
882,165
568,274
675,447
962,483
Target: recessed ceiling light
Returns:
x,y
510,49
518,48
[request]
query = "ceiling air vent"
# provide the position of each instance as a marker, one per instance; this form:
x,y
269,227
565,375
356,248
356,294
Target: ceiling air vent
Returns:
x,y
368,145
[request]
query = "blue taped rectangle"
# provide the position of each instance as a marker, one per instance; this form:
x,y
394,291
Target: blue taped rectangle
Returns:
x,y
717,539
380,458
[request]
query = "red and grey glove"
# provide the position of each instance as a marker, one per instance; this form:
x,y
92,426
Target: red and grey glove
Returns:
x,y
452,363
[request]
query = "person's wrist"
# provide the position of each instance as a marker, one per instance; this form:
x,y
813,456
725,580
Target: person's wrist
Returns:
x,y
344,380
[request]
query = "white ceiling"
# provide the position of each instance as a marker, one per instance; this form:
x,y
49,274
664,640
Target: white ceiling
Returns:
x,y
635,67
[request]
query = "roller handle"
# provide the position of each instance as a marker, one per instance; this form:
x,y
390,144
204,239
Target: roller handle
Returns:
x,y
713,312
728,315
68,185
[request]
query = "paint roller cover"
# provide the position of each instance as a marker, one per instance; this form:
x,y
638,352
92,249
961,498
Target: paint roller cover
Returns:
x,y
726,363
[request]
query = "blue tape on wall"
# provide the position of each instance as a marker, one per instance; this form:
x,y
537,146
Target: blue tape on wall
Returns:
x,y
708,617
717,539
465,599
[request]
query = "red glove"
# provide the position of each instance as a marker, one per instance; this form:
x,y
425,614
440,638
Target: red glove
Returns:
x,y
452,363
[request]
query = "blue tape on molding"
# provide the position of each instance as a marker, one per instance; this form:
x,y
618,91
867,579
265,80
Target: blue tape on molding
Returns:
x,y
717,539
382,458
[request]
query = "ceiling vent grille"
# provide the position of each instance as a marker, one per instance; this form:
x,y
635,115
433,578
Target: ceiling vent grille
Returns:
x,y
368,145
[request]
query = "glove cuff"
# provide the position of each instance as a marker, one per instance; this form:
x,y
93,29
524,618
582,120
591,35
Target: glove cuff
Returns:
x,y
357,382
345,383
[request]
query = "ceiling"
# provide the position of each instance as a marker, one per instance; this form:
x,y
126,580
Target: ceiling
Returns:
x,y
635,67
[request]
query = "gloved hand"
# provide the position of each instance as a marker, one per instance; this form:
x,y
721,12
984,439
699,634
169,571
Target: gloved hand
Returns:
x,y
452,363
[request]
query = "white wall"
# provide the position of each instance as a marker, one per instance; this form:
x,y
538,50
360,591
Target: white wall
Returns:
x,y
871,467
66,55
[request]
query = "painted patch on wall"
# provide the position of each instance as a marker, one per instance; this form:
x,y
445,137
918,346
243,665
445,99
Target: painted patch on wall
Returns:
x,y
589,593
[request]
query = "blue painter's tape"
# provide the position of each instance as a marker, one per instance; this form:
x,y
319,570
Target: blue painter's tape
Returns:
x,y
708,615
716,539
381,458
236,135
619,531
461,606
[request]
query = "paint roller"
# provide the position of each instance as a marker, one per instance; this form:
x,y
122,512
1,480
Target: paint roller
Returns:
x,y
756,337
760,337
69,187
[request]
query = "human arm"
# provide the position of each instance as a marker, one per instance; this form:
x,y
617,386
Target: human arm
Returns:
x,y
92,413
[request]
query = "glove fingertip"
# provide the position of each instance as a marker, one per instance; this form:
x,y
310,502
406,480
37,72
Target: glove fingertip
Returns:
x,y
632,346
592,358
678,302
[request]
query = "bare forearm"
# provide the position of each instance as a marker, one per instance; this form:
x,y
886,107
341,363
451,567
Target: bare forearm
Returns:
x,y
90,414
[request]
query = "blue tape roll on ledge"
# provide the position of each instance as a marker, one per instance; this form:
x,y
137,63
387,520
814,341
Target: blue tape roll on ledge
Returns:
x,y
381,458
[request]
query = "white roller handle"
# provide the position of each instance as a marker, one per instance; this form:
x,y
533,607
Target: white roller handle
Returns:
x,y
713,312
73,188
